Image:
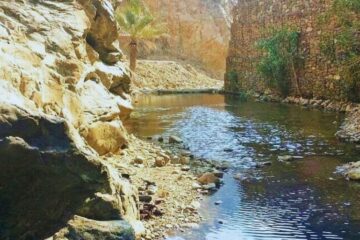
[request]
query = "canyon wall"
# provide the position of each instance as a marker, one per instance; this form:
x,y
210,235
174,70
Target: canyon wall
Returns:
x,y
318,77
63,96
198,32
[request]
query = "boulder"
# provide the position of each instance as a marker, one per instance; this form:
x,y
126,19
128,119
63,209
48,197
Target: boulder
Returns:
x,y
208,178
41,162
354,174
88,229
57,116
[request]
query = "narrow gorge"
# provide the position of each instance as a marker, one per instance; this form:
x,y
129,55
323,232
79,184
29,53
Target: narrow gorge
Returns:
x,y
240,121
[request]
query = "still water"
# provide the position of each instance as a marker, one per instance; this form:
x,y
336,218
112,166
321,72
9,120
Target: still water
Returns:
x,y
304,199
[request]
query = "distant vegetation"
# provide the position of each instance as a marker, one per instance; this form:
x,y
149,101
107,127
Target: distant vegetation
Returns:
x,y
340,44
281,60
135,19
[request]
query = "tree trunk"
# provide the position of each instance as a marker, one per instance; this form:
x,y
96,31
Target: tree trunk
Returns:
x,y
296,77
133,54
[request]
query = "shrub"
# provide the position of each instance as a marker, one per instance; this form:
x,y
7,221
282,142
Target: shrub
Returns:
x,y
281,60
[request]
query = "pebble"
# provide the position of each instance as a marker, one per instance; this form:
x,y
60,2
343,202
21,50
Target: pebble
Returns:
x,y
195,204
285,158
145,198
175,139
152,189
263,164
218,202
139,160
185,168
196,186
228,150
211,186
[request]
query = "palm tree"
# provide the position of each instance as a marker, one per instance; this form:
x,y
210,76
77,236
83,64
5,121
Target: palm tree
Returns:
x,y
135,19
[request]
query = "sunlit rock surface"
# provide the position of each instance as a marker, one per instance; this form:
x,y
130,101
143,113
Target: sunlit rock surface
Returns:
x,y
198,31
63,94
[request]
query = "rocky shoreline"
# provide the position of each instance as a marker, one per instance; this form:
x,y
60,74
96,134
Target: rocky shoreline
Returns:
x,y
170,181
350,129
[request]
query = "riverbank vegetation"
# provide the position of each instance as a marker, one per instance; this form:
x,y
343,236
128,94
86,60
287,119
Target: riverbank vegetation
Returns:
x,y
281,59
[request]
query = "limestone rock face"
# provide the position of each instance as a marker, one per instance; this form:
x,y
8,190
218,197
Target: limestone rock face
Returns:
x,y
199,30
63,95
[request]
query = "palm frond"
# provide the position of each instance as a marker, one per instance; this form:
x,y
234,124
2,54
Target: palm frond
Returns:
x,y
135,19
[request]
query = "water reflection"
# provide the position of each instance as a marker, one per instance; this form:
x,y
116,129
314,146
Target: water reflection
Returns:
x,y
301,200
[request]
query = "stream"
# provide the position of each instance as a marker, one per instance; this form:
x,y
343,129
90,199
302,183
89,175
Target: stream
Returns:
x,y
304,199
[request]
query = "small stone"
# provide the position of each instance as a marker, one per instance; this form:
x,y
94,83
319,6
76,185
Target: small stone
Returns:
x,y
196,186
228,150
185,168
220,221
152,189
262,164
223,166
285,158
208,178
139,160
354,174
159,201
160,162
145,198
175,139
218,202
211,186
239,177
185,153
185,160
195,204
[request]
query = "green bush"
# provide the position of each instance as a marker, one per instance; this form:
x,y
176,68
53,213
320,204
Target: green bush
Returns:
x,y
232,76
340,44
281,59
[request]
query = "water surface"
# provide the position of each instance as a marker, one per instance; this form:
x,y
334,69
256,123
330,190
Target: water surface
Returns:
x,y
301,200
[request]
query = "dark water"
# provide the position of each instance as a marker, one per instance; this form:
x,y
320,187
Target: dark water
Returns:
x,y
305,199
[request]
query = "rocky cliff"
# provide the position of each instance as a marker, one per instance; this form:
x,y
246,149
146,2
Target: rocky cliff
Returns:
x,y
199,31
63,95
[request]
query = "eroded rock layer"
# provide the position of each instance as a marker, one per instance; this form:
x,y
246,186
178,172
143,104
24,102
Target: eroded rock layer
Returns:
x,y
63,95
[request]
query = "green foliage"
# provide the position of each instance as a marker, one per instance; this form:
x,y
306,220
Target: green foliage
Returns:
x,y
232,76
340,43
135,19
281,59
